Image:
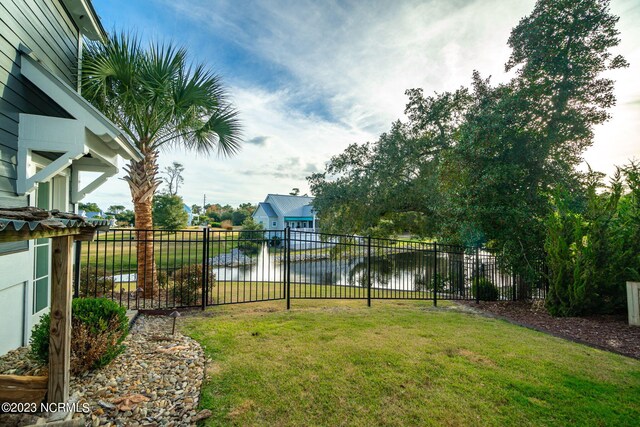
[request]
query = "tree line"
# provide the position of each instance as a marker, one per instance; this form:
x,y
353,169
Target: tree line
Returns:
x,y
499,164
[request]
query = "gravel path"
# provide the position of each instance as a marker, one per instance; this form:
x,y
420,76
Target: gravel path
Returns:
x,y
612,333
155,382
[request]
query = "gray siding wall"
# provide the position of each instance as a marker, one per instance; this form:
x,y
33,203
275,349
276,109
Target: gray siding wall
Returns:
x,y
45,27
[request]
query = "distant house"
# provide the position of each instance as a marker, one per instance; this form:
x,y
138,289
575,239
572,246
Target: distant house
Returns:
x,y
92,215
280,211
189,212
98,215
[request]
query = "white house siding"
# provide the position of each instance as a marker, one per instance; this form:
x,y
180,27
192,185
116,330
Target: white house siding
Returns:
x,y
260,216
280,218
45,27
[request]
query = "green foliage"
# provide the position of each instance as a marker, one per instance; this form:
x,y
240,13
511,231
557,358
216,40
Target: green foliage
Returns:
x,y
99,326
95,281
251,239
485,290
379,188
475,166
126,217
422,282
169,213
236,216
39,341
187,284
89,207
593,252
156,96
275,241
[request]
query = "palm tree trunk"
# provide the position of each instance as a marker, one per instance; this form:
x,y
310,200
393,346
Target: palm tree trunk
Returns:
x,y
143,183
147,277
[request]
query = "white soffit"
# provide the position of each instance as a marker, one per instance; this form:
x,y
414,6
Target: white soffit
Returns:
x,y
85,17
89,141
78,107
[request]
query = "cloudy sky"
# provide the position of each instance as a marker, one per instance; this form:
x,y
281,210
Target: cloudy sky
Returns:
x,y
310,77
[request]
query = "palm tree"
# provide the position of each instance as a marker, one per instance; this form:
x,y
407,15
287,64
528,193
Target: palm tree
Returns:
x,y
159,100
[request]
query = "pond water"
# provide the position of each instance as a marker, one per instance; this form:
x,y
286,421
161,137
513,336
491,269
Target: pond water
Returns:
x,y
408,271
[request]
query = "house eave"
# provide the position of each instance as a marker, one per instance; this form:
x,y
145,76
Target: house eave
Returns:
x,y
88,141
86,19
78,107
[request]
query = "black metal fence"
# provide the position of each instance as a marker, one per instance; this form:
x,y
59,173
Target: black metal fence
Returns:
x,y
199,268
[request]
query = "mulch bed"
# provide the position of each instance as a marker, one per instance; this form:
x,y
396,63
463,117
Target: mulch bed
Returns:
x,y
607,332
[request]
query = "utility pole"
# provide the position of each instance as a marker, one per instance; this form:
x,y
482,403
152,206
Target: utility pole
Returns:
x,y
204,200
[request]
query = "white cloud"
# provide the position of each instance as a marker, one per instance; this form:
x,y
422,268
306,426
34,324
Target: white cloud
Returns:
x,y
354,60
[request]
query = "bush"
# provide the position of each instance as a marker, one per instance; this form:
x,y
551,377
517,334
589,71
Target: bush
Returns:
x,y
227,225
424,283
187,284
594,250
216,224
485,290
251,237
94,281
39,341
275,241
98,326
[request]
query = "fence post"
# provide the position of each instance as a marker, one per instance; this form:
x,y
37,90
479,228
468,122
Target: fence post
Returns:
x,y
287,234
513,286
435,274
369,271
477,278
205,266
76,269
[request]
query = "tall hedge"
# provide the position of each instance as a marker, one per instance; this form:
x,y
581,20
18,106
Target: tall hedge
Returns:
x,y
592,252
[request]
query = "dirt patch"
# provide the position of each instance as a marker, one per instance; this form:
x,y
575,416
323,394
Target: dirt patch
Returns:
x,y
608,332
213,369
476,358
241,409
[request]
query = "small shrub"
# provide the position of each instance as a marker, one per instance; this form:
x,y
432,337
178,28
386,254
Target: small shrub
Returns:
x,y
424,283
227,225
163,278
39,341
216,224
95,282
485,290
187,284
98,325
275,241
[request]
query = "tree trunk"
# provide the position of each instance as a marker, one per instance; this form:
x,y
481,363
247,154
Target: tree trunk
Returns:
x,y
143,183
147,277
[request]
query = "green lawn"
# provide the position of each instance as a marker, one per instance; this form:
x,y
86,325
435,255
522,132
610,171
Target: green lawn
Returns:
x,y
402,363
116,250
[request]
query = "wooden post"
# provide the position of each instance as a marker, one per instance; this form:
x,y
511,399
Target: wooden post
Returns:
x,y
60,332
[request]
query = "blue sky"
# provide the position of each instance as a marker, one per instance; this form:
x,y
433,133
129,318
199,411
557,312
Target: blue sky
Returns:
x,y
310,77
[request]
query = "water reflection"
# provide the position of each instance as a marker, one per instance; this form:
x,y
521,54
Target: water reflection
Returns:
x,y
407,271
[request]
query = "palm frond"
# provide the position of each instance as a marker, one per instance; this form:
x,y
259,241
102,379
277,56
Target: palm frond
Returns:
x,y
157,97
223,130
